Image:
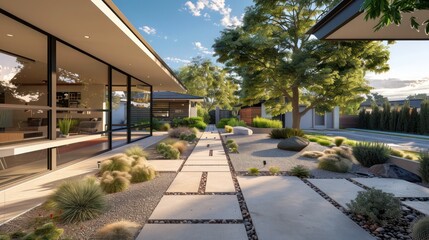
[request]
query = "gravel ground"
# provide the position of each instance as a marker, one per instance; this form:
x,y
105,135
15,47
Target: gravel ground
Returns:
x,y
259,147
135,204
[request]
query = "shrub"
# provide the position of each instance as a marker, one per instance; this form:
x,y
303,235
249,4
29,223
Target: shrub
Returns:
x,y
397,153
142,172
123,230
136,151
176,132
378,206
334,163
200,125
424,166
228,129
47,231
259,122
188,137
233,122
164,127
300,171
168,151
156,124
112,182
369,154
161,147
137,160
345,152
279,133
181,146
339,141
232,146
4,237
222,122
311,139
229,141
312,154
350,143
120,162
324,142
274,170
409,157
79,200
421,229
189,122
194,130
253,171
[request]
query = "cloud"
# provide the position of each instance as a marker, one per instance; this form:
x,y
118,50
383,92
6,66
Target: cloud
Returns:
x,y
177,60
148,30
199,46
216,6
396,89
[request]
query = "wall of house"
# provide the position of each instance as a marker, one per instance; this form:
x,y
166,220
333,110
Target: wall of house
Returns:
x,y
306,120
264,113
193,110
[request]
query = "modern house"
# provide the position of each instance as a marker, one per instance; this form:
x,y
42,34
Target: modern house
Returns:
x,y
310,120
71,59
170,105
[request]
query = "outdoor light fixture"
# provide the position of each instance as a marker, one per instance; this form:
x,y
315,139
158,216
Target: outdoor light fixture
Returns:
x,y
9,35
86,36
98,164
264,162
208,145
211,152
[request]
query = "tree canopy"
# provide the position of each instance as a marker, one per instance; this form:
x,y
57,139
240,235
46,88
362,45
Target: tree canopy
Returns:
x,y
390,11
202,78
284,66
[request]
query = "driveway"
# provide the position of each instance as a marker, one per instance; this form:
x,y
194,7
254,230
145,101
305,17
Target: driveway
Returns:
x,y
400,142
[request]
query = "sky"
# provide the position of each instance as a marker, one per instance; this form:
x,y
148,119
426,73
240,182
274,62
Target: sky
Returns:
x,y
180,30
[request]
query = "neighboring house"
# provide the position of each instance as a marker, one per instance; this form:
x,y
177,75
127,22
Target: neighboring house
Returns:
x,y
414,103
170,105
71,59
311,120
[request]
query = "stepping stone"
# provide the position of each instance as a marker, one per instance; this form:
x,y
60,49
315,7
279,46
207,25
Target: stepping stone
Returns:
x,y
197,207
219,182
221,159
166,165
186,182
192,231
419,206
286,208
340,190
207,162
398,187
205,169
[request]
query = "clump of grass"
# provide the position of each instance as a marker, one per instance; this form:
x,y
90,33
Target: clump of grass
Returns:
x,y
424,166
339,141
232,146
120,162
165,127
300,171
137,160
311,139
79,200
312,154
142,172
176,132
334,163
228,129
187,137
123,230
369,154
283,133
46,231
397,153
112,182
350,143
324,142
136,151
181,146
345,152
168,151
253,171
274,170
420,229
259,122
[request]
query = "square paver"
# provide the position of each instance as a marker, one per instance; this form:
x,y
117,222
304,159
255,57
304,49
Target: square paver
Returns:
x,y
340,190
197,207
166,165
186,182
286,208
219,182
207,162
192,231
422,207
398,187
205,168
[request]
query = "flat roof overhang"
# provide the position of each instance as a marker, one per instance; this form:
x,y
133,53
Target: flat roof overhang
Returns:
x,y
112,38
347,22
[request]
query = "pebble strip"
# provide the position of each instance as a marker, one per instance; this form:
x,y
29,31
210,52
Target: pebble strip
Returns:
x,y
203,183
401,229
247,219
196,221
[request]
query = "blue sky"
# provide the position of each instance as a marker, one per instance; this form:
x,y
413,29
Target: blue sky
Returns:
x,y
180,30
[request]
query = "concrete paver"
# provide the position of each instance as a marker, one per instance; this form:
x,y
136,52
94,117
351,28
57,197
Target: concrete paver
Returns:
x,y
197,207
340,190
286,208
190,168
186,182
419,206
219,182
398,187
166,165
193,231
207,162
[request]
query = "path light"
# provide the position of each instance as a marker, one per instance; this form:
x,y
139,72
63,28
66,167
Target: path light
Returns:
x,y
98,164
208,145
264,162
211,152
214,137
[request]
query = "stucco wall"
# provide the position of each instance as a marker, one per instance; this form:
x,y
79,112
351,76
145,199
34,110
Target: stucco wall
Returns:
x,y
264,113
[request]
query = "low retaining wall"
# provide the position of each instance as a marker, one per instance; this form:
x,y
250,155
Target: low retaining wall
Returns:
x,y
261,130
410,165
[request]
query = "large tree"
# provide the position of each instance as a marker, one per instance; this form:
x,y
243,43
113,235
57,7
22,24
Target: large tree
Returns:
x,y
391,11
202,78
283,65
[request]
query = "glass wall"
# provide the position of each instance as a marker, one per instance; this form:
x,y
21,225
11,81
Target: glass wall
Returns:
x,y
119,108
140,109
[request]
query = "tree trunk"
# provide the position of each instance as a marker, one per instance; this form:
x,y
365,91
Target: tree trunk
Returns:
x,y
296,115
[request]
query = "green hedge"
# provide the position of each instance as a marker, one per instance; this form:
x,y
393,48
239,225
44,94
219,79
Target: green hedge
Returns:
x,y
259,122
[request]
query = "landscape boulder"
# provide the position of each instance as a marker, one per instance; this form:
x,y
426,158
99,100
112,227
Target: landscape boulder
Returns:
x,y
293,144
389,170
242,131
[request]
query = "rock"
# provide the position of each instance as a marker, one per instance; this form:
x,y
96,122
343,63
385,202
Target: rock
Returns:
x,y
389,170
379,229
242,131
293,144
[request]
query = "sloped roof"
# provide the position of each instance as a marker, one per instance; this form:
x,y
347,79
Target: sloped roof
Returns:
x,y
175,96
